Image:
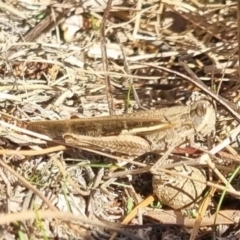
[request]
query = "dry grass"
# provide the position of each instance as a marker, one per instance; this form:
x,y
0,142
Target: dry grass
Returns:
x,y
146,54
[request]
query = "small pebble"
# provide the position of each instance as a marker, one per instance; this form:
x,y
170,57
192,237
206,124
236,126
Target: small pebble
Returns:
x,y
178,192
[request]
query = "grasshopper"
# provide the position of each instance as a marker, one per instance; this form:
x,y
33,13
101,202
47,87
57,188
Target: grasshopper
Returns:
x,y
136,133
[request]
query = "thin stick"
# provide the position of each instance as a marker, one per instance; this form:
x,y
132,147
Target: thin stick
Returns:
x,y
105,59
65,216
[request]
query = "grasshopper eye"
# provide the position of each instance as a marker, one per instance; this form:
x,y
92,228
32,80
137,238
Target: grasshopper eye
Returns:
x,y
200,109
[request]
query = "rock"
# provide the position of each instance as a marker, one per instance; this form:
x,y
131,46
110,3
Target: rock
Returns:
x,y
179,192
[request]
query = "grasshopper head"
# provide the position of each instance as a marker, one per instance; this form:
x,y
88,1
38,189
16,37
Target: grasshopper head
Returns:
x,y
203,117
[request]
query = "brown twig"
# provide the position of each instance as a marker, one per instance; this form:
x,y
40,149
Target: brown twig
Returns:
x,y
104,58
46,24
33,152
176,218
65,216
